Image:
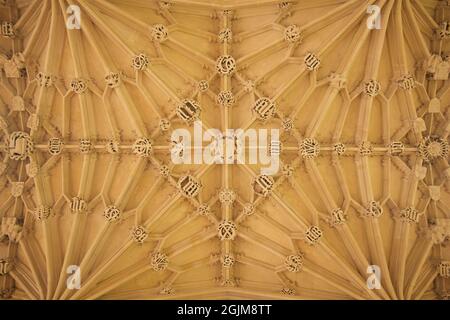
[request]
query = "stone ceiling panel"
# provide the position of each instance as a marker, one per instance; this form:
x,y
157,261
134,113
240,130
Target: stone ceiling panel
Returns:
x,y
93,92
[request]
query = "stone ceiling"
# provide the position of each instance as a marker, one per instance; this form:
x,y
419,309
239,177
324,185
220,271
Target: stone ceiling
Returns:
x,y
87,180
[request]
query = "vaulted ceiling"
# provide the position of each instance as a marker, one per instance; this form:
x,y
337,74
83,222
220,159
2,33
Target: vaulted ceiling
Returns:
x,y
86,177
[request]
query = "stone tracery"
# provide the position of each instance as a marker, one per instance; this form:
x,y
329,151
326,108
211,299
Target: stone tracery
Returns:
x,y
405,137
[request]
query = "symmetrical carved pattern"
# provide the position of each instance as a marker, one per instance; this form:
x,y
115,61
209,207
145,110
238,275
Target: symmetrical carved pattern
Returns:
x,y
112,213
225,35
229,230
188,110
55,146
263,184
407,82
337,217
373,210
396,147
164,171
78,85
6,266
293,34
288,291
313,235
264,108
312,62
287,170
284,5
112,146
86,145
433,148
159,32
164,124
45,80
225,65
203,85
189,186
226,98
294,262
164,5
444,269
227,260
159,261
248,85
20,145
78,205
365,148
409,215
42,212
7,29
167,291
140,61
203,210
226,230
248,209
113,79
309,148
139,234
372,88
227,196
287,124
142,147
339,148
